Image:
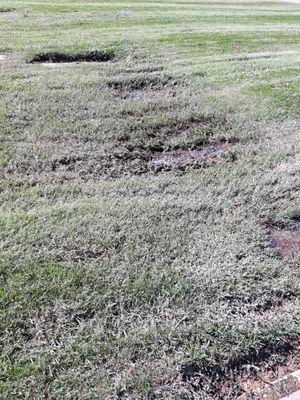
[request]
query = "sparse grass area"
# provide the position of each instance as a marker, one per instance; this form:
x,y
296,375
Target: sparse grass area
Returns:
x,y
150,197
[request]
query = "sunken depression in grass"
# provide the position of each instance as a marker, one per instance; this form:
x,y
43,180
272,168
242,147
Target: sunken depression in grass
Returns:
x,y
149,199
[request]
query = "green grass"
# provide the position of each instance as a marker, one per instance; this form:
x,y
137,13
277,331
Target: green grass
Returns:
x,y
117,279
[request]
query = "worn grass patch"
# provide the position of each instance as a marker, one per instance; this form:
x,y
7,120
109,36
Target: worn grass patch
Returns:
x,y
139,116
136,262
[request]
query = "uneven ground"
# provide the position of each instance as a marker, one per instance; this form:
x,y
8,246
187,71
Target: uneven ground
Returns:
x,y
150,198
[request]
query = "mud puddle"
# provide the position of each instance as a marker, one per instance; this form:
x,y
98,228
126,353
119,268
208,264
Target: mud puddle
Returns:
x,y
209,154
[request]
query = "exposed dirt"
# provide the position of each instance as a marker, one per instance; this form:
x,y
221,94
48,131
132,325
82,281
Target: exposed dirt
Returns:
x,y
285,240
128,159
209,154
2,57
59,57
135,95
178,136
55,65
268,383
284,304
250,377
256,379
158,158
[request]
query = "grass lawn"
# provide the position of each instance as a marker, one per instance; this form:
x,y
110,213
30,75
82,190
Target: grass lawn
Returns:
x,y
150,197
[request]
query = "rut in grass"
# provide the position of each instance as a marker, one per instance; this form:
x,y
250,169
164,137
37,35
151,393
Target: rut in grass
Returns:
x,y
61,57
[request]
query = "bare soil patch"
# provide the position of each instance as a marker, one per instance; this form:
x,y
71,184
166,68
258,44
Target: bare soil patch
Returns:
x,y
272,382
285,240
55,65
135,95
60,57
249,377
209,154
157,158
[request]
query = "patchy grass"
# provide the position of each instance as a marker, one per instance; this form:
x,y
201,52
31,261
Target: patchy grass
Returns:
x,y
149,205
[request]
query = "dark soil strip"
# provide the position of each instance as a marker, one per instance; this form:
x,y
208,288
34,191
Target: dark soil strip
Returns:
x,y
58,57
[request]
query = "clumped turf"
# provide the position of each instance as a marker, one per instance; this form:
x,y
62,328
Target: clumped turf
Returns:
x,y
149,205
